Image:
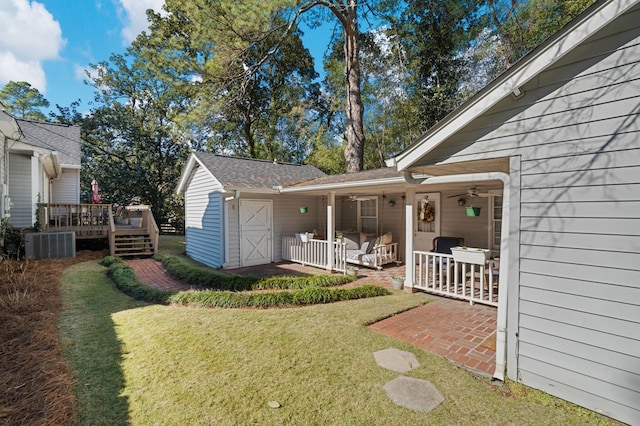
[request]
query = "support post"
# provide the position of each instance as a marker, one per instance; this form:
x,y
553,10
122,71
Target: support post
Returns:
x,y
409,262
331,231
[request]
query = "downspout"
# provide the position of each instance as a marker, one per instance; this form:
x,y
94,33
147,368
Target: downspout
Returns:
x,y
408,177
501,334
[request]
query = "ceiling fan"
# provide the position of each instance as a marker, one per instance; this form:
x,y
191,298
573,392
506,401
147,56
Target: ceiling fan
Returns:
x,y
354,197
473,192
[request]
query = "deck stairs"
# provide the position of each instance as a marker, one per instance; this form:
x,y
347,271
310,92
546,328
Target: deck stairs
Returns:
x,y
126,245
131,230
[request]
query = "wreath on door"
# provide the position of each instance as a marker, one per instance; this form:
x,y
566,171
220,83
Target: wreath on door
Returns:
x,y
426,212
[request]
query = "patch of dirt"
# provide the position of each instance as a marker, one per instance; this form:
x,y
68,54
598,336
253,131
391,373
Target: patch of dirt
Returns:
x,y
36,386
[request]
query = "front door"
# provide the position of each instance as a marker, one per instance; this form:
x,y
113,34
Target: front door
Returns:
x,y
426,220
256,239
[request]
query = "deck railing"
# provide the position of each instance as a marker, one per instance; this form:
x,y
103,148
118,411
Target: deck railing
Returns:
x,y
439,274
86,220
314,253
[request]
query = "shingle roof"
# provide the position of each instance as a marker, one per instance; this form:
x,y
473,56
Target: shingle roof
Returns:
x,y
235,172
57,137
367,175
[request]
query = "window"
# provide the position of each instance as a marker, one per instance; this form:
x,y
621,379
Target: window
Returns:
x,y
368,216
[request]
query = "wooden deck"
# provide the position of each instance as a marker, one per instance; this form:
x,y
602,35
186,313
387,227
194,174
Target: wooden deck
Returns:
x,y
131,231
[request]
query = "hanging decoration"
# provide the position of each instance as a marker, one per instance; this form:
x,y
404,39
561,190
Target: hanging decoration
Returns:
x,y
426,210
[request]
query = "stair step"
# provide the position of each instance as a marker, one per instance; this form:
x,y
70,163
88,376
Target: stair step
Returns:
x,y
133,245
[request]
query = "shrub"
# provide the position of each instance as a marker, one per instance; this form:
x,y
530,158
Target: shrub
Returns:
x,y
225,281
126,281
306,296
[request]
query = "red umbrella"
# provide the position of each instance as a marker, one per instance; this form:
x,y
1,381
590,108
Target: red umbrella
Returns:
x,y
95,198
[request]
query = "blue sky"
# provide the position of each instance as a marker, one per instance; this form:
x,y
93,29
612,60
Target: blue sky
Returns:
x,y
49,43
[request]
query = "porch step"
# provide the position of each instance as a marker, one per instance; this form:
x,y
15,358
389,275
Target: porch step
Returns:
x,y
133,245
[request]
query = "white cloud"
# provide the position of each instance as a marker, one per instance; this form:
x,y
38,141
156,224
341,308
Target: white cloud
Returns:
x,y
80,72
134,14
13,69
28,35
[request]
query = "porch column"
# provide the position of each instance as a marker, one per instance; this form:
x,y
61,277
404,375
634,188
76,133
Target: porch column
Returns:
x,y
410,270
331,229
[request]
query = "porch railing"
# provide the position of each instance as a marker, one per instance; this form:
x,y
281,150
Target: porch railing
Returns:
x,y
314,253
439,274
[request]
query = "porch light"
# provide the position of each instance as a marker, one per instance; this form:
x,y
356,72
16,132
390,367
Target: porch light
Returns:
x,y
391,203
462,202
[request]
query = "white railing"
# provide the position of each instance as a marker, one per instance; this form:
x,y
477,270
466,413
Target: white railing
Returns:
x,y
439,274
314,253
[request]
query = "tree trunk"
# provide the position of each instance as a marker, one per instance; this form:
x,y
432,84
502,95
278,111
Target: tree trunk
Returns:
x,y
354,151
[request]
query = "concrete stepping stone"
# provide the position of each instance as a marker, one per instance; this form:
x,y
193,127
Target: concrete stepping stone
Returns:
x,y
396,360
415,394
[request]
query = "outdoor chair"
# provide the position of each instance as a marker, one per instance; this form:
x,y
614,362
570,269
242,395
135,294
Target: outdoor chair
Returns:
x,y
444,245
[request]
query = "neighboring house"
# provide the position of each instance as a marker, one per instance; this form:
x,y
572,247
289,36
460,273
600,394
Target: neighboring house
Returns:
x,y
561,130
43,166
9,133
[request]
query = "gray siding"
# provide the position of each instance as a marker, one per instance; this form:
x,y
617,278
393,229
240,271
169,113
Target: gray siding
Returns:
x,y
456,223
22,213
204,221
576,131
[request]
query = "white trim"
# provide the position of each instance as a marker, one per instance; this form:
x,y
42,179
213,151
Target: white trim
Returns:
x,y
523,71
341,185
505,278
188,170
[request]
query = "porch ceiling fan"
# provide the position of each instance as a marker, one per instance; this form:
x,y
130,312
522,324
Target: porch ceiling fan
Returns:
x,y
354,197
473,192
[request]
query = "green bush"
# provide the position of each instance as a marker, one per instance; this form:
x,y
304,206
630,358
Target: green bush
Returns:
x,y
306,296
126,280
225,281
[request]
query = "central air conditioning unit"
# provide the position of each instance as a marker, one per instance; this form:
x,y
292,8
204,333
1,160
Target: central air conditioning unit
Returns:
x,y
49,245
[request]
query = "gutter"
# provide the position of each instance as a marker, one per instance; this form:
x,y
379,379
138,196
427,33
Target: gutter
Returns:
x,y
340,185
501,334
57,167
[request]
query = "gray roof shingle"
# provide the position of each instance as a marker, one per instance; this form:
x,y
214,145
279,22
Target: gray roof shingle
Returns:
x,y
366,175
249,173
56,137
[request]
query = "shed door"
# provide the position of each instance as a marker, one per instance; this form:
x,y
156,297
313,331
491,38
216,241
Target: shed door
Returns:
x,y
256,246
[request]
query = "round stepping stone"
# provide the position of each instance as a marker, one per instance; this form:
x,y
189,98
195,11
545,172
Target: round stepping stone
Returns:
x,y
396,360
415,394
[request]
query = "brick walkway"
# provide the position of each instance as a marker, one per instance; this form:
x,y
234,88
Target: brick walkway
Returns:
x,y
463,333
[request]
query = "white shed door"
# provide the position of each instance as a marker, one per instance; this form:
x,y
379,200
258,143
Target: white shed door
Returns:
x,y
256,246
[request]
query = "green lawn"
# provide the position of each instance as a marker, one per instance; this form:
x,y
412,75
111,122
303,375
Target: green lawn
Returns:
x,y
164,365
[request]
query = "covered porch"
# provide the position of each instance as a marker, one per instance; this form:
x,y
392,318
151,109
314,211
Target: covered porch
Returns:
x,y
414,212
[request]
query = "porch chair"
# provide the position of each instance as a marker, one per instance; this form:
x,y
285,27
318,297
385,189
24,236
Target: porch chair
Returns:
x,y
444,245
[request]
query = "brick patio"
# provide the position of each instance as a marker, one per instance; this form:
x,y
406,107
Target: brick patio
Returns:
x,y
463,333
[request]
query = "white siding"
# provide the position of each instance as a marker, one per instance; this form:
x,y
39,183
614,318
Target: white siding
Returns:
x,y
22,213
287,220
204,221
576,131
67,188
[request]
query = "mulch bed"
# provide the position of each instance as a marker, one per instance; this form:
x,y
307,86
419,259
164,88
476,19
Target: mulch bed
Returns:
x,y
36,386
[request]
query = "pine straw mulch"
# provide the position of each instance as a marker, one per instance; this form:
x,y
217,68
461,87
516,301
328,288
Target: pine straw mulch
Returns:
x,y
36,386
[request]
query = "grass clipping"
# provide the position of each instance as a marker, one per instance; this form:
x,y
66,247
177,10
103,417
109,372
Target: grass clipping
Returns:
x,y
36,387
